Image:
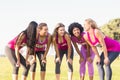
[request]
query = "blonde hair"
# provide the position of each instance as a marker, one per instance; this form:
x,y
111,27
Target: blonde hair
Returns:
x,y
56,29
92,22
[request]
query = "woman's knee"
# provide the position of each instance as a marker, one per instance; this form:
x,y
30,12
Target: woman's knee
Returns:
x,y
43,66
57,68
70,67
15,70
26,69
33,67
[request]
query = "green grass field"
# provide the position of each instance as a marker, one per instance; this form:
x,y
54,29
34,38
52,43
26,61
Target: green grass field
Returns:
x,y
6,70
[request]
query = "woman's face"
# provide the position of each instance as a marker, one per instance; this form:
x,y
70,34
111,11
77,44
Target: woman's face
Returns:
x,y
87,26
76,32
43,31
61,31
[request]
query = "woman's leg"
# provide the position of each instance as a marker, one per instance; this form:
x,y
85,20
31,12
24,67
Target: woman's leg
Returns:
x,y
112,56
33,70
12,58
43,69
90,66
42,65
25,67
58,64
90,70
100,67
82,68
70,66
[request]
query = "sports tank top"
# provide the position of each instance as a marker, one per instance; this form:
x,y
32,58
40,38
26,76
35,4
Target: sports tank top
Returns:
x,y
111,44
11,43
63,45
41,46
81,41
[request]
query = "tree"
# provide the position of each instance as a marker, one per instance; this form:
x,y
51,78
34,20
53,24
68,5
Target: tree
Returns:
x,y
112,29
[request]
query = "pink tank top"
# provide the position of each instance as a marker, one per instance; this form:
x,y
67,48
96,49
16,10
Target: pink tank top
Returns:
x,y
41,46
96,42
112,45
11,44
63,45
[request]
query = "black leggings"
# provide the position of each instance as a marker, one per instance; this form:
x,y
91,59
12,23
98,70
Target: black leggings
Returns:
x,y
57,66
12,58
42,65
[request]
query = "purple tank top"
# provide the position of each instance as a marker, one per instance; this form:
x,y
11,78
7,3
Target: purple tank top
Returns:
x,y
75,39
11,44
63,45
111,44
41,46
81,41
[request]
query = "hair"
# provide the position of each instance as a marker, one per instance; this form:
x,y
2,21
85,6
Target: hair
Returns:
x,y
92,22
30,33
41,25
55,32
74,25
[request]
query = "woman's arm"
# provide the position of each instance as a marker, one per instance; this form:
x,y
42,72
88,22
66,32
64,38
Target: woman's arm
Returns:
x,y
93,48
67,37
77,49
100,37
88,50
56,48
27,56
17,47
48,46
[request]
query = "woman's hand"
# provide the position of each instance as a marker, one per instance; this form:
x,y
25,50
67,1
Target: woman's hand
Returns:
x,y
89,59
32,61
106,61
18,63
70,60
43,61
81,59
57,60
98,59
27,62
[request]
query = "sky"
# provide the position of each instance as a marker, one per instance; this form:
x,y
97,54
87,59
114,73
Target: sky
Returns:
x,y
15,15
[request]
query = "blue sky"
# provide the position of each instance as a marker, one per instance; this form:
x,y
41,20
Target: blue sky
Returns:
x,y
15,15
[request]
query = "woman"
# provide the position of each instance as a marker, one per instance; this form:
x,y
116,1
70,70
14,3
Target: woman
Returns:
x,y
110,48
41,49
25,38
62,44
86,54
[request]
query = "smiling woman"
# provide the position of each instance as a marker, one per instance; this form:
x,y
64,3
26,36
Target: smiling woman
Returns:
x,y
70,11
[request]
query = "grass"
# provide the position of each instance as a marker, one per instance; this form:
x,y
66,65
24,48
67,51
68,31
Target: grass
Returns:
x,y
6,70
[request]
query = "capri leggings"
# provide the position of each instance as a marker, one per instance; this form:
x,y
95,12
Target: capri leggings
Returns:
x,y
83,64
12,58
57,66
42,65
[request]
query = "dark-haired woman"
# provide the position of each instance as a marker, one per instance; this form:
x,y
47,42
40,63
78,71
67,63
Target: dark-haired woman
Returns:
x,y
62,44
25,38
86,54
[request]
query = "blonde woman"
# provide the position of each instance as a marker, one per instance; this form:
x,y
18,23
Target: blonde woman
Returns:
x,y
110,47
62,44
